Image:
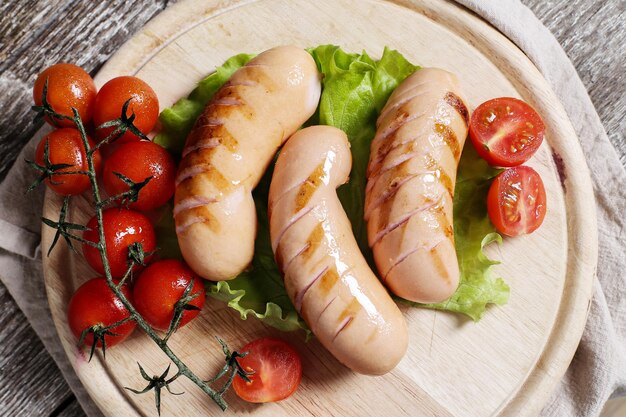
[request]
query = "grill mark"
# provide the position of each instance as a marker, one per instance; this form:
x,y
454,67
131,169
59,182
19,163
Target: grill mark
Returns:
x,y
277,200
445,179
280,257
351,309
442,219
191,172
297,302
390,145
388,193
313,241
372,336
408,254
380,169
401,100
201,218
213,175
343,326
308,188
203,144
328,280
191,203
290,223
327,305
211,129
440,266
449,137
386,212
456,102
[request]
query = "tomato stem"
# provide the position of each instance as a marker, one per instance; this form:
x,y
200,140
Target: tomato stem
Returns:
x,y
182,367
63,228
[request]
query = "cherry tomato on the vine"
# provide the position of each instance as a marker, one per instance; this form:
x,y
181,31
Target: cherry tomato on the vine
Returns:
x,y
65,146
95,303
68,86
277,371
159,287
506,131
111,98
138,161
516,202
121,229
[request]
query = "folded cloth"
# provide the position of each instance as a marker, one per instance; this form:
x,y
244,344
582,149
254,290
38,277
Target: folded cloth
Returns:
x,y
20,262
598,370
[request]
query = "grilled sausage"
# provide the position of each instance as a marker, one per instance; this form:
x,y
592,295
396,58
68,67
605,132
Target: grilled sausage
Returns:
x,y
326,276
411,176
228,150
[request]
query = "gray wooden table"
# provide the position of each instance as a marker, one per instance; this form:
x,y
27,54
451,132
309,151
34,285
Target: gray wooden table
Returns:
x,y
35,34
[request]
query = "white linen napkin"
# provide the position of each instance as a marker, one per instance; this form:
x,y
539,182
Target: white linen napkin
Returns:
x,y
598,370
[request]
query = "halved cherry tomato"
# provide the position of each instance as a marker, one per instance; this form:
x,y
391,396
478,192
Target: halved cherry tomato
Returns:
x,y
516,202
111,98
121,229
138,161
65,146
277,371
94,303
68,86
159,287
506,131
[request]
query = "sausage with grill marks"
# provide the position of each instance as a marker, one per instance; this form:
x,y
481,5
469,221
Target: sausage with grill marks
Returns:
x,y
326,276
227,152
411,175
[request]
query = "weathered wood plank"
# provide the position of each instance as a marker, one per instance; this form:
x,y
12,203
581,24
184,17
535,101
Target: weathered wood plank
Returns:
x,y
31,383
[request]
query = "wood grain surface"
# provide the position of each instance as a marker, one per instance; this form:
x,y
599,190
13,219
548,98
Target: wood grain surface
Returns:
x,y
34,34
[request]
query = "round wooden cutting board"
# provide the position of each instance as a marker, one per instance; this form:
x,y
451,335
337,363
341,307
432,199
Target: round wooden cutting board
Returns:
x,y
507,364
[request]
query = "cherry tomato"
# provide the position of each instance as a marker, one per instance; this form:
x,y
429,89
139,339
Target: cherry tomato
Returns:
x,y
516,202
68,86
138,161
94,303
159,287
121,228
277,371
111,99
65,146
506,131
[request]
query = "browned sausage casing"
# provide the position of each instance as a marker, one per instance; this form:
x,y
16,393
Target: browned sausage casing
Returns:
x,y
326,276
411,175
228,150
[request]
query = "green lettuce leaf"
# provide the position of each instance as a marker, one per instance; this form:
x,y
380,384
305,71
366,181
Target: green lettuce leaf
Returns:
x,y
355,89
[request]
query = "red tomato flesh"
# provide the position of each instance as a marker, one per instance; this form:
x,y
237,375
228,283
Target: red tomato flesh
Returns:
x,y
121,229
138,161
159,287
277,371
94,303
111,98
68,86
65,146
506,131
516,202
